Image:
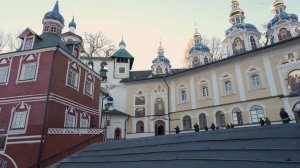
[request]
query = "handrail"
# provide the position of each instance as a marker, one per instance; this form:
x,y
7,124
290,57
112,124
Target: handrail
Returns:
x,y
64,153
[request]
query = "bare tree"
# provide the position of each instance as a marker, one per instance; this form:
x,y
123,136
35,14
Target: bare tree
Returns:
x,y
2,41
12,41
215,46
97,44
186,62
265,39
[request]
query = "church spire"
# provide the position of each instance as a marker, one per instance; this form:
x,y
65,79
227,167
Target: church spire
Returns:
x,y
236,14
122,44
72,25
160,50
278,7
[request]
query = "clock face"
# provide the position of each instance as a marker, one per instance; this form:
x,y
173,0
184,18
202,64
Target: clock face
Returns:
x,y
297,107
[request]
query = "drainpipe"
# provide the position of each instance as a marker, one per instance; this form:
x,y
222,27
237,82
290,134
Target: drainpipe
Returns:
x,y
101,115
45,120
168,103
125,128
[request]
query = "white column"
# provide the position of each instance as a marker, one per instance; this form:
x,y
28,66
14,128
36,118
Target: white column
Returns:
x,y
215,87
192,89
288,107
270,77
282,82
240,82
173,97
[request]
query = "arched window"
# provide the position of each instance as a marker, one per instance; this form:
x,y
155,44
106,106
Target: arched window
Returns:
x,y
85,120
182,94
73,75
202,121
220,119
20,115
237,116
140,112
159,106
205,60
29,68
204,91
255,81
256,113
53,28
140,127
187,123
70,118
228,86
293,82
253,43
46,28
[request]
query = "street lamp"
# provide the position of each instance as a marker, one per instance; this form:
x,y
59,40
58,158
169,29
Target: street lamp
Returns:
x,y
108,108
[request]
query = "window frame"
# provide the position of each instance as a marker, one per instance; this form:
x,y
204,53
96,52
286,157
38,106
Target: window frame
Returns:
x,y
5,63
5,75
253,43
119,67
73,68
139,129
70,113
26,60
187,122
25,42
182,94
256,83
256,114
20,108
89,78
237,119
202,124
53,28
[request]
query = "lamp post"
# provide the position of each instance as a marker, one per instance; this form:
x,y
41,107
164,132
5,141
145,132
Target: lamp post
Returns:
x,y
108,108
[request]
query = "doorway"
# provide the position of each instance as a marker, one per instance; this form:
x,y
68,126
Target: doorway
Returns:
x,y
159,128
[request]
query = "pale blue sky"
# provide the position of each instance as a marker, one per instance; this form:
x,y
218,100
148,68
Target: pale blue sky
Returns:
x,y
142,22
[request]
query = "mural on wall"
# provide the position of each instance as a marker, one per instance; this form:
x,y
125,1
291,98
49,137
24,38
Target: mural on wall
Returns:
x,y
238,46
196,62
140,112
293,82
159,106
140,100
284,34
158,70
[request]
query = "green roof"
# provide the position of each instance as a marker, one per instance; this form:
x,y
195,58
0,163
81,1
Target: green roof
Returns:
x,y
122,53
116,113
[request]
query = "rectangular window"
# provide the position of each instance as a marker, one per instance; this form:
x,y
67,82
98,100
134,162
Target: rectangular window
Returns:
x,y
3,74
121,70
28,71
19,120
28,44
88,87
72,78
2,142
122,60
70,121
84,123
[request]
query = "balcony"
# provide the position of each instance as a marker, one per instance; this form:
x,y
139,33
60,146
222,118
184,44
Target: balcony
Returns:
x,y
75,131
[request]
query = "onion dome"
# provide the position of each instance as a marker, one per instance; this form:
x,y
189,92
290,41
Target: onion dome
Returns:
x,y
243,26
161,58
278,8
198,44
54,14
72,23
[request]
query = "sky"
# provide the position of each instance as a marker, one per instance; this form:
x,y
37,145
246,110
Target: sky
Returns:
x,y
142,22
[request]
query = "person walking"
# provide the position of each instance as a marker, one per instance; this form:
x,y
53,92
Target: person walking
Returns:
x,y
284,116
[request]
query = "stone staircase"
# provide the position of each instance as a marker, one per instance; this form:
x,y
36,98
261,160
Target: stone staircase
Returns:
x,y
276,146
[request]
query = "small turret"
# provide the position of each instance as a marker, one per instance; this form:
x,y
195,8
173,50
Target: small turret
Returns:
x,y
72,25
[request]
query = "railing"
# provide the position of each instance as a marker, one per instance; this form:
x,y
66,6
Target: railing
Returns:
x,y
75,131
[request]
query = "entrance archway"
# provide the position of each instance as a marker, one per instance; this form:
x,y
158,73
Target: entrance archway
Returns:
x,y
159,128
118,134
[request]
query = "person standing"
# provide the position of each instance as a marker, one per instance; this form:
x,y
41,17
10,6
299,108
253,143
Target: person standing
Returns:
x,y
261,121
268,122
177,129
212,127
284,116
196,126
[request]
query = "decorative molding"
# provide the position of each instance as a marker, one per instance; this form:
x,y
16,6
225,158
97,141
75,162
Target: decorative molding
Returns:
x,y
75,131
193,91
215,87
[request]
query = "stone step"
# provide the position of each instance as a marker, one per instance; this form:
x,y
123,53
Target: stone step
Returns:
x,y
189,163
198,145
253,154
